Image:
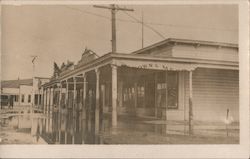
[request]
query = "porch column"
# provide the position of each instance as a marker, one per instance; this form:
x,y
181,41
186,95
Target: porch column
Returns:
x,y
166,82
84,106
49,101
38,99
66,110
190,103
74,111
44,101
50,107
114,96
156,102
97,107
59,113
135,96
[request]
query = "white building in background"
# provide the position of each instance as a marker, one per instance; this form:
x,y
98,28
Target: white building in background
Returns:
x,y
21,90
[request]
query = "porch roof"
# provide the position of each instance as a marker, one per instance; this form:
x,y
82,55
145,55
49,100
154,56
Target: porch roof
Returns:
x,y
138,61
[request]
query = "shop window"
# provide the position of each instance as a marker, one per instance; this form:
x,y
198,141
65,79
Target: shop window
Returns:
x,y
29,98
15,98
22,99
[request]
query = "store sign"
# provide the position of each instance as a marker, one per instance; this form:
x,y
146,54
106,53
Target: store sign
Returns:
x,y
157,65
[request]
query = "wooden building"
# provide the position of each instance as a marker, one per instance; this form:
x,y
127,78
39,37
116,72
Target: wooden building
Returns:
x,y
173,80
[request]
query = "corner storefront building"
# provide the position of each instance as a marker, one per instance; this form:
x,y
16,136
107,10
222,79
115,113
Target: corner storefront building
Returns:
x,y
173,81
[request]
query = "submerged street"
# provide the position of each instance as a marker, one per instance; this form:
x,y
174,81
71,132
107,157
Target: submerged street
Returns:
x,y
27,128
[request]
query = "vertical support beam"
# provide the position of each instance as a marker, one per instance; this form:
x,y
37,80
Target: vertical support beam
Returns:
x,y
113,27
84,105
103,95
47,104
155,81
59,113
144,97
114,96
51,114
120,93
44,101
97,107
49,98
49,108
190,103
166,82
136,96
38,98
66,110
74,111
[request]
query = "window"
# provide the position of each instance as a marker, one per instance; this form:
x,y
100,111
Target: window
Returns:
x,y
29,98
16,98
22,98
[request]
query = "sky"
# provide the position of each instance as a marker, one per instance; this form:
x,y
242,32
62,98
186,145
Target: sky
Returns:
x,y
57,33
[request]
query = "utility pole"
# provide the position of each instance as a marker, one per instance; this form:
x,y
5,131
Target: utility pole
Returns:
x,y
142,30
19,93
114,8
33,81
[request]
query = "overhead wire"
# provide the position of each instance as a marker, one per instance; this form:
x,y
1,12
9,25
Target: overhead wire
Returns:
x,y
153,29
137,21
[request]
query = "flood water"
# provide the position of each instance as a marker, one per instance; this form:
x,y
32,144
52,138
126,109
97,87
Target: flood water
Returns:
x,y
41,127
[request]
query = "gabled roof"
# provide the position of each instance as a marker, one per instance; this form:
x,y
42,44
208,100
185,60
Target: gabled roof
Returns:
x,y
16,83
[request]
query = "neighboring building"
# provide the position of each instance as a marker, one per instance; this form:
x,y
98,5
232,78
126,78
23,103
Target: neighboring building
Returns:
x,y
21,90
188,81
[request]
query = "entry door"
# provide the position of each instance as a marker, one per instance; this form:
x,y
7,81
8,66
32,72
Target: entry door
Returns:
x,y
160,99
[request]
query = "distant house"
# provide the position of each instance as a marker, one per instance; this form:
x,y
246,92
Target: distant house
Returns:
x,y
21,90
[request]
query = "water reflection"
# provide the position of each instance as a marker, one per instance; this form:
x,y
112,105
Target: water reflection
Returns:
x,y
42,127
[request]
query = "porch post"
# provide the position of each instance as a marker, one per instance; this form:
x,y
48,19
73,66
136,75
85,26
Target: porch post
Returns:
x,y
51,108
135,100
74,110
114,96
44,100
166,82
66,109
84,106
97,107
190,103
38,99
155,82
49,102
59,113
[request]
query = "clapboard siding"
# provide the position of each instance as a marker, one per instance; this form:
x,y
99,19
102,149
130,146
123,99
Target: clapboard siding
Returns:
x,y
206,52
214,91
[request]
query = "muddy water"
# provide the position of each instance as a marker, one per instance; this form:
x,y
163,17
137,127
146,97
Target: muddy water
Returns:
x,y
40,127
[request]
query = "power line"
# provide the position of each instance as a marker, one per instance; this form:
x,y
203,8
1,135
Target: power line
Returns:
x,y
151,23
87,12
158,33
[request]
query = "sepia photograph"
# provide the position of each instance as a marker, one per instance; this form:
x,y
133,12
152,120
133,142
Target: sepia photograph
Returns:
x,y
120,74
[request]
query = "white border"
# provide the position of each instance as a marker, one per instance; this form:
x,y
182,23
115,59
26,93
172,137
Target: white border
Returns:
x,y
154,151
